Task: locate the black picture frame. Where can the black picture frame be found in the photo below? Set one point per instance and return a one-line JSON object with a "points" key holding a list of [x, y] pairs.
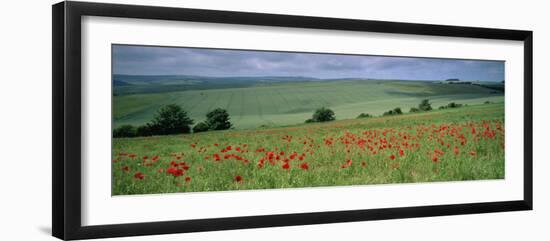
{"points": [[66, 76]]}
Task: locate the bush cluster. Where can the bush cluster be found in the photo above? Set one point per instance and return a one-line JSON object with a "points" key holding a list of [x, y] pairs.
{"points": [[217, 119], [395, 111], [172, 119], [450, 106], [364, 115], [322, 115]]}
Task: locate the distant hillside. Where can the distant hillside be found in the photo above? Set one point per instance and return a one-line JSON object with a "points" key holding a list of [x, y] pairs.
{"points": [[139, 84], [254, 103], [142, 84]]}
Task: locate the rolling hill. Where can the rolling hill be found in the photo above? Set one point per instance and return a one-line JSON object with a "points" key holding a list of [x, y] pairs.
{"points": [[277, 101]]}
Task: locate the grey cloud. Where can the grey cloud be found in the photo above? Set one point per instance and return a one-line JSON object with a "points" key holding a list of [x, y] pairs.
{"points": [[143, 60]]}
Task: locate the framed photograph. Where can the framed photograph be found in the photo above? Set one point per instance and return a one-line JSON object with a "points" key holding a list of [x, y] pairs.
{"points": [[170, 120]]}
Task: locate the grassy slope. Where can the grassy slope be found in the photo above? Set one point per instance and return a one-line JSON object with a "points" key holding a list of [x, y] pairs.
{"points": [[292, 103], [324, 160]]}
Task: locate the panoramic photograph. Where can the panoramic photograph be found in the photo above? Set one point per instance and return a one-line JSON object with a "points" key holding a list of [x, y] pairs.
{"points": [[203, 119]]}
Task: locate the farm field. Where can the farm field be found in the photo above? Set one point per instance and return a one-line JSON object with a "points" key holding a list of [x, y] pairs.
{"points": [[456, 144], [273, 104]]}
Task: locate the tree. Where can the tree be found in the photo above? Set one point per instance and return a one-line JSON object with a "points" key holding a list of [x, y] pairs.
{"points": [[323, 114], [200, 127], [364, 115], [125, 131], [425, 105], [397, 111], [414, 109], [170, 119], [218, 119], [454, 105]]}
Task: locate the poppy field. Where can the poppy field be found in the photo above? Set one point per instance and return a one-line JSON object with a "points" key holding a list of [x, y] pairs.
{"points": [[442, 145]]}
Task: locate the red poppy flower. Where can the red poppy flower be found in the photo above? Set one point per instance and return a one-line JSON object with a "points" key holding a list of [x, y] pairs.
{"points": [[187, 179], [392, 157], [238, 178], [171, 170], [174, 172], [126, 168], [401, 152], [435, 158], [139, 175], [286, 166], [304, 166]]}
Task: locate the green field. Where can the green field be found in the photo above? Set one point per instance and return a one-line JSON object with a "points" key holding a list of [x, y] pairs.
{"points": [[287, 103], [441, 145]]}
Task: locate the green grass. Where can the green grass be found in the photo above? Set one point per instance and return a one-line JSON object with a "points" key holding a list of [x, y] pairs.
{"points": [[327, 148], [289, 103]]}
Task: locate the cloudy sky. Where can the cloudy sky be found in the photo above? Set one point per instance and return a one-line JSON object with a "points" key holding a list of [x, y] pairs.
{"points": [[144, 60]]}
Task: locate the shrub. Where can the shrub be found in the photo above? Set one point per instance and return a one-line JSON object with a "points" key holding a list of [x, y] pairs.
{"points": [[450, 106], [309, 121], [390, 112], [364, 115], [323, 114], [125, 131], [414, 110], [395, 111], [425, 105], [454, 105], [170, 119], [218, 119], [200, 127]]}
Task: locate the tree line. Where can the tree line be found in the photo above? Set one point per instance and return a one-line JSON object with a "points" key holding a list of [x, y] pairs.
{"points": [[325, 114], [172, 119]]}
